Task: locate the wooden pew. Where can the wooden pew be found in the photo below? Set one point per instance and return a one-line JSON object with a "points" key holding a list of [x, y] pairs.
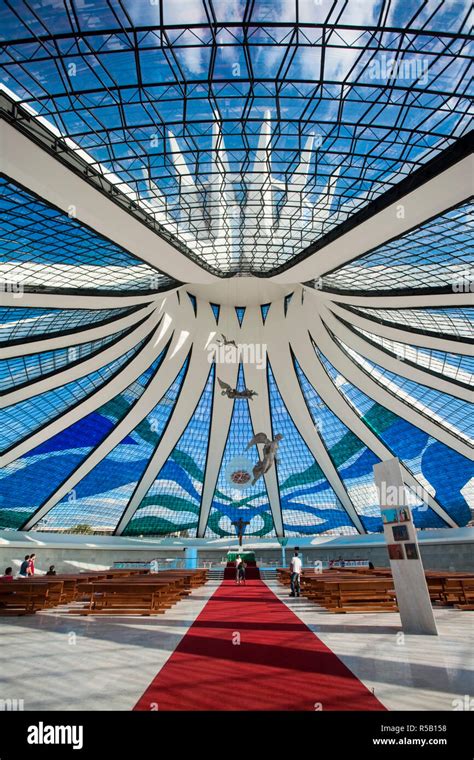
{"points": [[137, 596], [102, 592], [370, 595], [22, 597], [334, 588], [124, 598]]}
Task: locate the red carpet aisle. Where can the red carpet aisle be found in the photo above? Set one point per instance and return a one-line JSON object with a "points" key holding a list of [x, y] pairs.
{"points": [[278, 665]]}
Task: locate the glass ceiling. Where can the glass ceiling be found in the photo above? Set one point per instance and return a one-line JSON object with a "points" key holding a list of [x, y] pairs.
{"points": [[46, 250], [438, 254], [243, 133], [247, 129]]}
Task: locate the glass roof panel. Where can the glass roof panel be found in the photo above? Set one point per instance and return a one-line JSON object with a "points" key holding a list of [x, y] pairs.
{"points": [[452, 366], [20, 325], [438, 254], [247, 131], [449, 322], [44, 248]]}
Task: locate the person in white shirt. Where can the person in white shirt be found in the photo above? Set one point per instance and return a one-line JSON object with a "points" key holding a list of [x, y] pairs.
{"points": [[296, 567], [238, 563]]}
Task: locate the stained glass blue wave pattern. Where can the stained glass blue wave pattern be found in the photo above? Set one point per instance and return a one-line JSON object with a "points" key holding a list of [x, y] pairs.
{"points": [[352, 459], [172, 504], [308, 503], [102, 496], [428, 459], [230, 503], [22, 419], [28, 483]]}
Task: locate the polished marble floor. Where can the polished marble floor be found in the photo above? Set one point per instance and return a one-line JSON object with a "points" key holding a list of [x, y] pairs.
{"points": [[54, 661], [406, 672]]}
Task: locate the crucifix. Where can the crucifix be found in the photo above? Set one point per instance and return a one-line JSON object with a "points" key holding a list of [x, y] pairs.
{"points": [[240, 525]]}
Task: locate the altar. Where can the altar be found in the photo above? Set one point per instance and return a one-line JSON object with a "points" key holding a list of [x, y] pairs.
{"points": [[246, 555]]}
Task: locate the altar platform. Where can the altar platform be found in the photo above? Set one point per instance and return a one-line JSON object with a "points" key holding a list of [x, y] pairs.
{"points": [[248, 557]]}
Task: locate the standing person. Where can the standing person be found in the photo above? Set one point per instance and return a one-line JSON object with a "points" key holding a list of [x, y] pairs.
{"points": [[23, 571], [242, 572], [296, 567], [8, 576], [238, 562], [31, 564]]}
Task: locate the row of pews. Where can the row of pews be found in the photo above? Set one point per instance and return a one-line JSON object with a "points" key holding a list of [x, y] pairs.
{"points": [[110, 592], [345, 590]]}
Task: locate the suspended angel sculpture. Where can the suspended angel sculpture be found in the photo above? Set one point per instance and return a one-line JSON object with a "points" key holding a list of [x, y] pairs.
{"points": [[269, 454], [226, 342], [234, 393]]}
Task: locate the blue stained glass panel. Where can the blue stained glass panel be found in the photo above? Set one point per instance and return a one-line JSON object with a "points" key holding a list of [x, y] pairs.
{"points": [[352, 459], [24, 324], [216, 311], [173, 502], [22, 419], [22, 370], [240, 311], [229, 502], [309, 504], [452, 413], [102, 496], [28, 482], [428, 459]]}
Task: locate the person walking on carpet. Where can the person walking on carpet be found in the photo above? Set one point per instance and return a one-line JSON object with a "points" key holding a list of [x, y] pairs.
{"points": [[242, 573], [238, 562], [296, 566]]}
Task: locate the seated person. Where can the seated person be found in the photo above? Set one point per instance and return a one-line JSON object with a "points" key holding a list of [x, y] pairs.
{"points": [[51, 570], [8, 575]]}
